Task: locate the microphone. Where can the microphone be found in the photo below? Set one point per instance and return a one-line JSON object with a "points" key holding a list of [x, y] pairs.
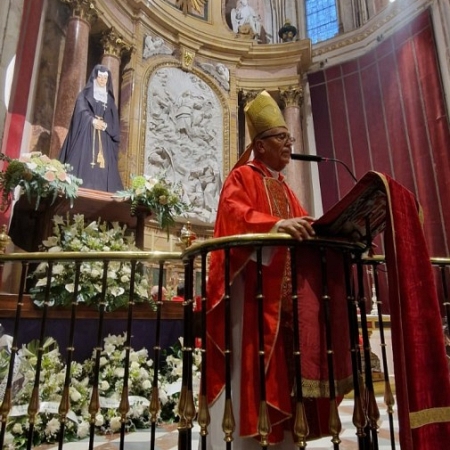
{"points": [[317, 158]]}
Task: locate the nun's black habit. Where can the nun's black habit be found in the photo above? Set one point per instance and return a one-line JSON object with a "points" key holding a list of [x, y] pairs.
{"points": [[81, 146]]}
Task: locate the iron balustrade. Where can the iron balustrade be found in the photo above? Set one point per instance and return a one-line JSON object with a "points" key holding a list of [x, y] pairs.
{"points": [[195, 261]]}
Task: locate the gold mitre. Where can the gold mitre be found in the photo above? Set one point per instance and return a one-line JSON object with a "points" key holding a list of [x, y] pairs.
{"points": [[262, 114]]}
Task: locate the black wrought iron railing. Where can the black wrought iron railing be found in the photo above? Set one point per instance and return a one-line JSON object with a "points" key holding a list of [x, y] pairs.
{"points": [[82, 334]]}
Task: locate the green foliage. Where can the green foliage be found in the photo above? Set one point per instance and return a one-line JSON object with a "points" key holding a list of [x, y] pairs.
{"points": [[164, 200], [76, 236], [107, 419], [38, 177]]}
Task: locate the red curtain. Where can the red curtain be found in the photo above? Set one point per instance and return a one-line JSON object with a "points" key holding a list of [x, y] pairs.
{"points": [[385, 111]]}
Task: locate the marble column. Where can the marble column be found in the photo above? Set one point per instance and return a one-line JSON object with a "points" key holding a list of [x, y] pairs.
{"points": [[113, 47], [298, 173], [128, 161], [73, 70]]}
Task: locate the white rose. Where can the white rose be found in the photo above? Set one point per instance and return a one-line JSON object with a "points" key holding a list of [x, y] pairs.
{"points": [[83, 429], [115, 424], [117, 290], [74, 394], [17, 428], [58, 269], [143, 352], [119, 372], [163, 397], [99, 420], [52, 427], [109, 348], [134, 365], [103, 361]]}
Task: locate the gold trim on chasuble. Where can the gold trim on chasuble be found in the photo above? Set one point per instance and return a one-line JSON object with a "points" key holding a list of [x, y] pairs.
{"points": [[279, 205], [428, 416]]}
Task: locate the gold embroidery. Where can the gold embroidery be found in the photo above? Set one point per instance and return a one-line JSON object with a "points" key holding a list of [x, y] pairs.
{"points": [[320, 388], [277, 197], [427, 416]]}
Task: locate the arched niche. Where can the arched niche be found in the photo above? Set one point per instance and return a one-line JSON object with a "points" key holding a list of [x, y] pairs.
{"points": [[184, 140]]}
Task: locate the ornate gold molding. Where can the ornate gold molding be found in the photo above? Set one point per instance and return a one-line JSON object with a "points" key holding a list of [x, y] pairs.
{"points": [[113, 43], [83, 9], [187, 58]]}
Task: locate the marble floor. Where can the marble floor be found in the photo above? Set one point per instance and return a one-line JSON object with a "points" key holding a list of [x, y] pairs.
{"points": [[167, 435]]}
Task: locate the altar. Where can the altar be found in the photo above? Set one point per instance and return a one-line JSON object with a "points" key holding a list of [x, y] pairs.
{"points": [[30, 226]]}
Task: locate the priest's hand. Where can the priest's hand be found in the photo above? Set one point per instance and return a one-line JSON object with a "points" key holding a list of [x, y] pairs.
{"points": [[298, 227]]}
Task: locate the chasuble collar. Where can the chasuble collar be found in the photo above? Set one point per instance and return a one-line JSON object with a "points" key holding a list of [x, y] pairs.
{"points": [[265, 170]]}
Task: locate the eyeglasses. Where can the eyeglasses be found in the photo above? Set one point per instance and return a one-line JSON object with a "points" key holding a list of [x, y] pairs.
{"points": [[280, 137]]}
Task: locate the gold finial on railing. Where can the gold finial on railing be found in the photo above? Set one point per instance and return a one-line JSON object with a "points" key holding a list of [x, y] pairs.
{"points": [[187, 236], [264, 426], [334, 423], [301, 428], [228, 422], [4, 239], [203, 419]]}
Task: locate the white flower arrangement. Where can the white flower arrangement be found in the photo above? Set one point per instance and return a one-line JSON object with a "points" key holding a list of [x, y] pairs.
{"points": [[171, 376], [162, 198], [107, 419], [74, 235], [38, 177], [51, 382]]}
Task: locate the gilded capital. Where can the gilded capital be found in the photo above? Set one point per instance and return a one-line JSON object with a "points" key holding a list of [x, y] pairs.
{"points": [[84, 9], [293, 96], [112, 43], [247, 96]]}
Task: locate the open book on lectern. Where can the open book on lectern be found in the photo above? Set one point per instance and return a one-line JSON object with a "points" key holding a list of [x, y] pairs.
{"points": [[360, 215]]}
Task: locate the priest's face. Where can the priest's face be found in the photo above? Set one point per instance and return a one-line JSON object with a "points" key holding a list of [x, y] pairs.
{"points": [[274, 148]]}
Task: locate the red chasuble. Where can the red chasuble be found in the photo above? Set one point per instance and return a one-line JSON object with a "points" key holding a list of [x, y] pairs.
{"points": [[252, 201]]}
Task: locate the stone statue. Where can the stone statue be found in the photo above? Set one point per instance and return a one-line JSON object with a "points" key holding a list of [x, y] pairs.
{"points": [[244, 19]]}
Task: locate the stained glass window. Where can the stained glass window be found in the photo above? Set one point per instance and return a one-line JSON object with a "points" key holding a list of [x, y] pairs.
{"points": [[321, 19]]}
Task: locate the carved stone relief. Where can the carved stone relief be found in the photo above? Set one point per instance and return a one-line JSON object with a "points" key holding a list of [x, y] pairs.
{"points": [[184, 138], [218, 71], [155, 45]]}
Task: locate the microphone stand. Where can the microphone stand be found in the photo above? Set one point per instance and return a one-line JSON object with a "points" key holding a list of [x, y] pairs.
{"points": [[343, 164], [317, 158]]}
